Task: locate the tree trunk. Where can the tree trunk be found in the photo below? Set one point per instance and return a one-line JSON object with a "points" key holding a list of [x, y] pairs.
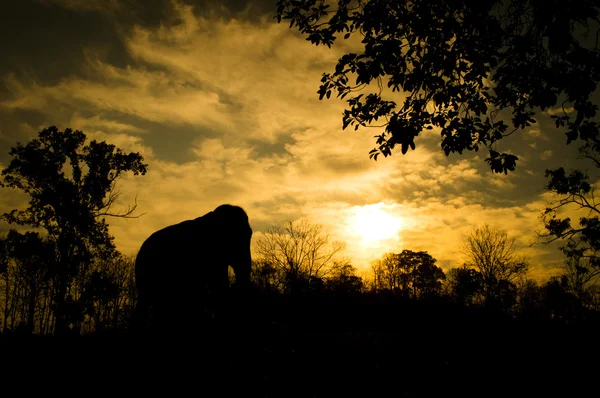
{"points": [[60, 324], [43, 309], [31, 310], [6, 301]]}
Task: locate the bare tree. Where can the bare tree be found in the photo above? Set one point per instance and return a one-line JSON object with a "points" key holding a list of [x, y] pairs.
{"points": [[300, 250], [386, 272], [491, 252], [582, 280]]}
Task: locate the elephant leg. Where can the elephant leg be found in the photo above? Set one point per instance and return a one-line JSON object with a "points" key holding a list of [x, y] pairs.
{"points": [[139, 317], [217, 289]]}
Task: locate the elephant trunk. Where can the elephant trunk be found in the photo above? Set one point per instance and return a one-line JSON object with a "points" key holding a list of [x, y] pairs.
{"points": [[242, 271]]}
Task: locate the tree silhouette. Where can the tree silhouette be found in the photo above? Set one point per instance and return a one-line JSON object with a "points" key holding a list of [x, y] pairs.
{"points": [[28, 262], [342, 279], [464, 285], [581, 279], [465, 66], [531, 300], [36, 257], [559, 303], [301, 252], [414, 274], [71, 188], [266, 277], [489, 251], [582, 241], [428, 277], [99, 292], [386, 272]]}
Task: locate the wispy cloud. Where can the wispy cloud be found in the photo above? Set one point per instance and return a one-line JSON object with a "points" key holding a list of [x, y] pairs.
{"points": [[85, 6], [547, 154], [102, 123], [558, 111], [242, 97]]}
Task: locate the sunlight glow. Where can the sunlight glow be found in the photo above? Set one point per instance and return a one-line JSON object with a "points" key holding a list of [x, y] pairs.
{"points": [[373, 223]]}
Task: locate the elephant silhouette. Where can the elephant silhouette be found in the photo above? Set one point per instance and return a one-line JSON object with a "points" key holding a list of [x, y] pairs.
{"points": [[182, 270]]}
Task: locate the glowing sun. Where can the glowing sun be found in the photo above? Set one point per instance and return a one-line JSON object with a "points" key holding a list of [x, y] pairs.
{"points": [[373, 223]]}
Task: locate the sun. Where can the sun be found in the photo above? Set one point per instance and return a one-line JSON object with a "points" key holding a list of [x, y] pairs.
{"points": [[373, 223]]}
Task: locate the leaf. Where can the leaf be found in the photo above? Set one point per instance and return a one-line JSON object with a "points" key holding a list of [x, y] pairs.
{"points": [[482, 63]]}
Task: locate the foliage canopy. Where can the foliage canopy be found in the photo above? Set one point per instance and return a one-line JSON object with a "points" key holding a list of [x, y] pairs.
{"points": [[414, 274], [71, 188], [466, 66]]}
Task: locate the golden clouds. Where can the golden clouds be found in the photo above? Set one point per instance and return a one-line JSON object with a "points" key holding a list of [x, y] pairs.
{"points": [[240, 99], [84, 123], [547, 154], [85, 5]]}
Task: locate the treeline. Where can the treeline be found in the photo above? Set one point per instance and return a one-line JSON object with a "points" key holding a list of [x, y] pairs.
{"points": [[494, 280], [412, 277], [52, 279], [101, 295], [70, 279]]}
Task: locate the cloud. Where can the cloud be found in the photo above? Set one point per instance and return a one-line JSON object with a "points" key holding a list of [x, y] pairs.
{"points": [[557, 111], [123, 141], [240, 99], [85, 5], [98, 122], [439, 227], [145, 94], [547, 154], [501, 182], [265, 73]]}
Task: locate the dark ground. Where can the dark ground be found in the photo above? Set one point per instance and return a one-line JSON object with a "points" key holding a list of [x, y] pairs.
{"points": [[308, 364], [310, 353]]}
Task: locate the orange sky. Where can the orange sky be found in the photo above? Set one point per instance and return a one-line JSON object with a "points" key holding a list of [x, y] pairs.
{"points": [[222, 103]]}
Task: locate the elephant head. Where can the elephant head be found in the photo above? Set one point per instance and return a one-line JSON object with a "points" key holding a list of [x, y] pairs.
{"points": [[180, 268], [233, 235]]}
